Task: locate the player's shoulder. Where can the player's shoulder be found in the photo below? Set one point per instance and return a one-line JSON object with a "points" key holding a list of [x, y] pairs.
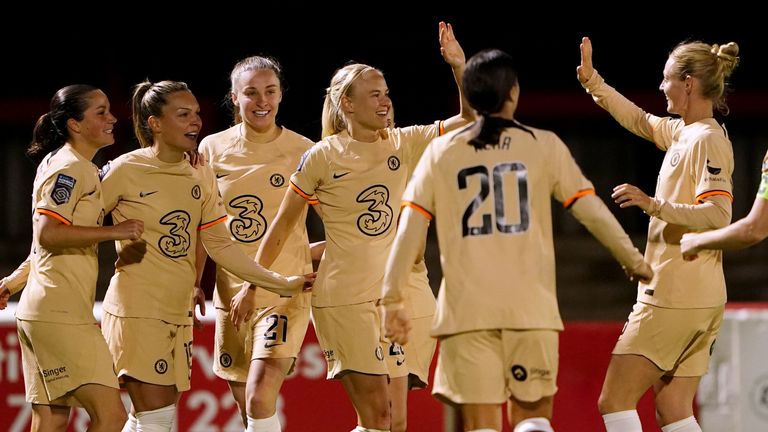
{"points": [[406, 131], [711, 131], [456, 136], [296, 138], [134, 156], [63, 160], [321, 154], [63, 155], [221, 140], [292, 143], [331, 144], [538, 134], [126, 162]]}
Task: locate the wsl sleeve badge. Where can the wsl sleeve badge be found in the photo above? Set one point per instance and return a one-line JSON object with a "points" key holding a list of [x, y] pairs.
{"points": [[62, 189]]}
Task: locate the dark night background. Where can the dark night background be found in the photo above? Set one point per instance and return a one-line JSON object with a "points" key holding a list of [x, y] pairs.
{"points": [[629, 52]]}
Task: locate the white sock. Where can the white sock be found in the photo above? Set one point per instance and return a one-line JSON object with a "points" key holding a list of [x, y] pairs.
{"points": [[159, 420], [685, 425], [130, 424], [483, 430], [534, 424], [623, 421], [269, 424], [362, 429]]}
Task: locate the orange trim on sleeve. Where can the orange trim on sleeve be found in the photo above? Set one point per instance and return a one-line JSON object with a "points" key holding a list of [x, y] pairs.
{"points": [[313, 202], [211, 223], [700, 198], [441, 128], [54, 215], [301, 192], [418, 208], [572, 200]]}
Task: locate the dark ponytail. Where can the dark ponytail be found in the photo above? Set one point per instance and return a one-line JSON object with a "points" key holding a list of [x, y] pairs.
{"points": [[488, 79], [51, 131]]}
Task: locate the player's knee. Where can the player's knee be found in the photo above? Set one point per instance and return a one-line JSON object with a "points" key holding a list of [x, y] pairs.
{"points": [[261, 404], [45, 419], [378, 416]]}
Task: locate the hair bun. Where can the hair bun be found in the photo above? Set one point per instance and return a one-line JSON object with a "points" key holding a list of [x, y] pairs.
{"points": [[729, 51]]}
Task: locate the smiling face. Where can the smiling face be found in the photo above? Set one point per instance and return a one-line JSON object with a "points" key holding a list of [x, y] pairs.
{"points": [[179, 125], [367, 102], [96, 127], [257, 96], [674, 88]]}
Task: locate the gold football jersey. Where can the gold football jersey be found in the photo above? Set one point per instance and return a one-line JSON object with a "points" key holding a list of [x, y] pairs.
{"points": [[493, 213], [174, 200], [698, 165], [62, 284], [358, 186], [252, 179]]}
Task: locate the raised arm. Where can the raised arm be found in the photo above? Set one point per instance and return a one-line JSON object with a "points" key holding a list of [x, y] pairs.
{"points": [[629, 115], [453, 54]]}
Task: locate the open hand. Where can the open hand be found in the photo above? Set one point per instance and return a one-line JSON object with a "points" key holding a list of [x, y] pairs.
{"points": [[452, 52], [585, 70], [131, 253], [627, 195], [643, 274], [397, 323]]}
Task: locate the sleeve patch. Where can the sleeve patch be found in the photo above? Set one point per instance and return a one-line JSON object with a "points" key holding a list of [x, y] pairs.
{"points": [[62, 189]]}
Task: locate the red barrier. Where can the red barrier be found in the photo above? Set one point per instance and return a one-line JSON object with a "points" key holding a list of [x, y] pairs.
{"points": [[310, 403], [585, 350]]}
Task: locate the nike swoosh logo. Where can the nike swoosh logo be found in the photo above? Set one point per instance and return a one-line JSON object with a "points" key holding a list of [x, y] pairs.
{"points": [[146, 194], [270, 345], [338, 176], [399, 362], [218, 176]]}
